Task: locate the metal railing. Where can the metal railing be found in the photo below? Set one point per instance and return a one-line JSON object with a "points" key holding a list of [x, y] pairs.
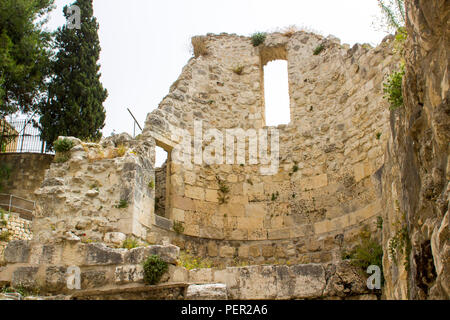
{"points": [[23, 207], [21, 136]]}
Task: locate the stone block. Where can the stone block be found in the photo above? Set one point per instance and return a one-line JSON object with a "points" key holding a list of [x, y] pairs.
{"points": [[115, 237], [227, 252], [310, 280], [194, 192], [100, 254], [168, 253], [129, 274], [25, 277], [17, 251], [201, 275], [91, 279], [207, 292]]}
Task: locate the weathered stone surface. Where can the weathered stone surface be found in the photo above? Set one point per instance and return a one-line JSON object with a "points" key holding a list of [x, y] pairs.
{"points": [[91, 279], [415, 178], [345, 280], [100, 254], [129, 274], [17, 251], [206, 292], [115, 237], [55, 279], [168, 253], [309, 280], [24, 277]]}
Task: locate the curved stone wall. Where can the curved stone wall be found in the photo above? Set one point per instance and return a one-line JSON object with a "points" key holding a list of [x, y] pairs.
{"points": [[328, 178]]}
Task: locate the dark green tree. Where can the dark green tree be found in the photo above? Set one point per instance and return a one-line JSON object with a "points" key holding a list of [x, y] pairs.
{"points": [[76, 95], [24, 54]]}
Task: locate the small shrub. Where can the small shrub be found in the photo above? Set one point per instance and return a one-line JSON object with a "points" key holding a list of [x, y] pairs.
{"points": [[318, 49], [154, 268], [63, 145], [178, 227], [121, 150], [378, 135], [122, 204], [238, 69], [130, 243], [368, 252], [5, 236], [190, 262], [199, 47], [258, 38], [224, 189], [61, 157], [379, 223], [393, 88], [275, 196], [151, 184], [290, 31], [295, 168]]}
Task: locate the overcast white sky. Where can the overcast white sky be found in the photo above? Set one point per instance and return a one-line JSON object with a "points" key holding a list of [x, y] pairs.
{"points": [[145, 43]]}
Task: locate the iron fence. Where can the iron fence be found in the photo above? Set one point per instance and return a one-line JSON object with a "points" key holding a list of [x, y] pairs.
{"points": [[21, 136], [23, 207]]}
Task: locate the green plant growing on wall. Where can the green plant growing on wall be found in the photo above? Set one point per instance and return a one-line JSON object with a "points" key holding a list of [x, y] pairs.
{"points": [[379, 223], [224, 190], [154, 268], [62, 148], [295, 168], [318, 49], [275, 196], [400, 243], [378, 135], [151, 184], [238, 69], [123, 203], [393, 88], [63, 145], [258, 38], [5, 236], [130, 243], [368, 252], [190, 262], [178, 227]]}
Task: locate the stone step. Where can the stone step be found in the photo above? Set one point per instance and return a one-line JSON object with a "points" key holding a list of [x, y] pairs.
{"points": [[172, 291]]}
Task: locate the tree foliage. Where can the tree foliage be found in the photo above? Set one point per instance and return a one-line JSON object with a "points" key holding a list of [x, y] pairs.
{"points": [[394, 13], [24, 54], [76, 95]]}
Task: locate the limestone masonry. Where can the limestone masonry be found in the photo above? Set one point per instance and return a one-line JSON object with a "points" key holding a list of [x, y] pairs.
{"points": [[344, 165]]}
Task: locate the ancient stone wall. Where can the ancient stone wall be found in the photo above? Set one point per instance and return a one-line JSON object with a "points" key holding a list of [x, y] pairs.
{"points": [[327, 186], [13, 227], [102, 188], [27, 173], [417, 168]]}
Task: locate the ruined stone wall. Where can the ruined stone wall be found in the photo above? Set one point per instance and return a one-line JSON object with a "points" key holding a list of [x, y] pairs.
{"points": [[27, 173], [416, 171], [327, 187], [102, 188], [13, 227]]}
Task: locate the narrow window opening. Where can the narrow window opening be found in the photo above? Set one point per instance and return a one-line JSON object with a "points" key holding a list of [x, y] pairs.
{"points": [[276, 93], [161, 185]]}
